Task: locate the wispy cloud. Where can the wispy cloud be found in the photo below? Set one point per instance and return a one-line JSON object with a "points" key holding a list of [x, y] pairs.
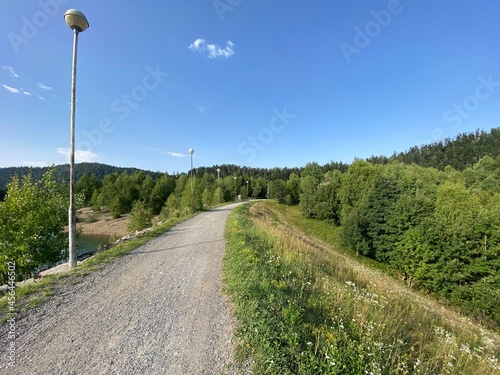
{"points": [[11, 71], [212, 50], [41, 97], [81, 156], [176, 154], [202, 109], [44, 87], [17, 91], [11, 89]]}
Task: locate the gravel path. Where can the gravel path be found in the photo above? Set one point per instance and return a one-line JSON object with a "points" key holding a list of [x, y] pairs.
{"points": [[158, 310]]}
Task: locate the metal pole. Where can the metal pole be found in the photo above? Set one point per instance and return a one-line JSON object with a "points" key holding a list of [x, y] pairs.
{"points": [[72, 212], [192, 191], [218, 185]]}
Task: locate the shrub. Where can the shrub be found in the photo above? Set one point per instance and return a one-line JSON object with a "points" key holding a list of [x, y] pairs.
{"points": [[32, 220], [141, 216]]}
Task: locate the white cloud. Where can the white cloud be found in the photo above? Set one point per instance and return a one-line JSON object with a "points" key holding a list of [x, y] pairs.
{"points": [[197, 45], [16, 91], [175, 154], [213, 50], [11, 71], [44, 87], [81, 156], [11, 89]]}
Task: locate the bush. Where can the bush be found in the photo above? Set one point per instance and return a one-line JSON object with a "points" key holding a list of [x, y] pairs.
{"points": [[141, 216], [32, 220]]}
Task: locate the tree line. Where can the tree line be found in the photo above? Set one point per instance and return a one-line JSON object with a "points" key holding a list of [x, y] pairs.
{"points": [[438, 226], [34, 212], [459, 153], [439, 229]]}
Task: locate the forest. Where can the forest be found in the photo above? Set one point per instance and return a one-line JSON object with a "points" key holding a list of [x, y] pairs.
{"points": [[431, 214]]}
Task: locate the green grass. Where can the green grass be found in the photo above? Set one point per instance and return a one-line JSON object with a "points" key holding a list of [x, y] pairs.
{"points": [[31, 295], [327, 233], [303, 311]]}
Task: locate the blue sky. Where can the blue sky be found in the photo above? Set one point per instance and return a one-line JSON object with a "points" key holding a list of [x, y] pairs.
{"points": [[256, 83]]}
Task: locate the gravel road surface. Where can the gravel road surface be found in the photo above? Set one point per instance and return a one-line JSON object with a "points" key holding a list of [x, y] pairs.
{"points": [[158, 310]]}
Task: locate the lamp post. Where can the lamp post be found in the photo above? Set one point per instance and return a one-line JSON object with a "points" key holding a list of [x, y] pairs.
{"points": [[77, 22], [191, 151], [235, 194], [218, 184], [247, 189]]}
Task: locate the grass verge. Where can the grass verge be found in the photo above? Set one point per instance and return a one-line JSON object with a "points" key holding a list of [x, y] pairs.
{"points": [[31, 295], [303, 311]]}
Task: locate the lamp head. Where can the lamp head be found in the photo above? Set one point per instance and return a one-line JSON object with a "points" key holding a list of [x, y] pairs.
{"points": [[191, 151], [76, 20]]}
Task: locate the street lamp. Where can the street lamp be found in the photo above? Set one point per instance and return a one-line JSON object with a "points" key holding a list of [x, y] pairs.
{"points": [[247, 189], [218, 184], [235, 194], [191, 151], [77, 22]]}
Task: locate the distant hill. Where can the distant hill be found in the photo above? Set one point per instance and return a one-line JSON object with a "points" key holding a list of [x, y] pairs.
{"points": [[461, 152], [102, 170], [62, 172]]}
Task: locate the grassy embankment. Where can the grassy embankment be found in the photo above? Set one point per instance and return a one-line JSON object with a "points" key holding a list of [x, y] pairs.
{"points": [[30, 295], [304, 310]]}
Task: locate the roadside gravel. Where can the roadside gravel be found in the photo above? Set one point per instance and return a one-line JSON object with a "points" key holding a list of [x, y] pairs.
{"points": [[158, 310]]}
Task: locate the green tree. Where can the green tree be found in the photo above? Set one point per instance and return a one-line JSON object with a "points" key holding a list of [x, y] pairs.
{"points": [[327, 201], [310, 178], [453, 237], [293, 188], [172, 207], [259, 187], [192, 199], [146, 189], [207, 197], [141, 216], [108, 191], [356, 182], [308, 187], [218, 197], [96, 206], [87, 185], [165, 185], [32, 220], [277, 190]]}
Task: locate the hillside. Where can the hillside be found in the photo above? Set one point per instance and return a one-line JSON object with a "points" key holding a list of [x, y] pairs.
{"points": [[62, 171], [461, 152]]}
